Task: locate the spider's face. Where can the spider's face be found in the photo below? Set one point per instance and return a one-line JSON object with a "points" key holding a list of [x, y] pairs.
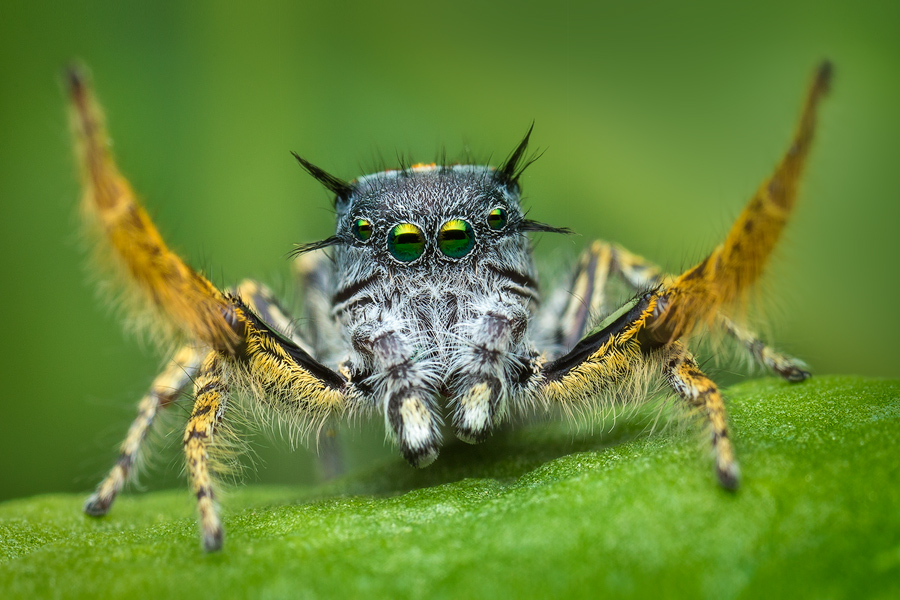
{"points": [[426, 219]]}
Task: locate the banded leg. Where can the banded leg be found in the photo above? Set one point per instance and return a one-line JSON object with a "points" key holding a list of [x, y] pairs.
{"points": [[210, 391], [602, 260], [166, 388], [571, 310], [585, 298], [640, 273], [315, 274], [613, 362], [699, 391], [483, 369], [790, 368], [607, 362]]}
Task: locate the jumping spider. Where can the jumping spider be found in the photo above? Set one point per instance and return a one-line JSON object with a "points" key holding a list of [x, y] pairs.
{"points": [[426, 303]]}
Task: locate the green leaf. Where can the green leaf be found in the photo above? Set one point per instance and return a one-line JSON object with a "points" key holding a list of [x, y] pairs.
{"points": [[537, 512]]}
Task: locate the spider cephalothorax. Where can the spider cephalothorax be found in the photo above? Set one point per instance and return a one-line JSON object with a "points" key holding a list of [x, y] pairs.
{"points": [[430, 263], [423, 306]]}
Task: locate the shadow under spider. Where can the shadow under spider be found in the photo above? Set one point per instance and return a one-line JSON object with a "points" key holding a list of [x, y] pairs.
{"points": [[506, 456]]}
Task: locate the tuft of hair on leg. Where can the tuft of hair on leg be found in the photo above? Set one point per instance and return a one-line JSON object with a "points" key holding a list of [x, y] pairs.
{"points": [[416, 427]]}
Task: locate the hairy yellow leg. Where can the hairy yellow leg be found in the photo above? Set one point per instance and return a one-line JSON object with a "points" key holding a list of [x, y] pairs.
{"points": [[265, 305], [209, 407], [727, 274], [701, 393], [640, 273], [167, 386], [790, 368], [187, 302], [601, 260]]}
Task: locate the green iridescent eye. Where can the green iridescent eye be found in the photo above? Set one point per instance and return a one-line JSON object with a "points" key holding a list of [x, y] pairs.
{"points": [[497, 219], [362, 230], [456, 238], [406, 242]]}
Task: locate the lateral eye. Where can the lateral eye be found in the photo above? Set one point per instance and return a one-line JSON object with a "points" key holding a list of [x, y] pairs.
{"points": [[456, 238], [362, 230], [497, 219], [406, 242]]}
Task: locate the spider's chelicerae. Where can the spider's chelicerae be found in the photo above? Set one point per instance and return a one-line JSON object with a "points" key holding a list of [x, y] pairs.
{"points": [[424, 306]]}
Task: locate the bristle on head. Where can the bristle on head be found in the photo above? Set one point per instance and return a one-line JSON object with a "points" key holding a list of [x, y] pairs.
{"points": [[515, 165], [339, 187], [537, 226], [309, 247]]}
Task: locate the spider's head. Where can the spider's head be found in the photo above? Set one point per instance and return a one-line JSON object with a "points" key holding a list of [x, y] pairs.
{"points": [[430, 216], [427, 215]]}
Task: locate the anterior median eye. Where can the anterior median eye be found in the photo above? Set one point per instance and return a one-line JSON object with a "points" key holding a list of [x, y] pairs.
{"points": [[362, 229], [406, 242], [456, 238], [497, 219]]}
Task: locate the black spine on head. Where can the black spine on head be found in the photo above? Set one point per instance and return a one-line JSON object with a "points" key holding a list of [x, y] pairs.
{"points": [[402, 165], [342, 190], [537, 226], [509, 173], [309, 247]]}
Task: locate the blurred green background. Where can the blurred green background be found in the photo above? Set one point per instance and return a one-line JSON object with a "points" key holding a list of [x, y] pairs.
{"points": [[658, 121]]}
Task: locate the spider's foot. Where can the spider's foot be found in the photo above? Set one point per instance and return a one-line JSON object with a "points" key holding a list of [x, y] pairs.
{"points": [[100, 501], [793, 371], [470, 436], [214, 539], [421, 458], [787, 367], [97, 505], [729, 474], [416, 427], [796, 374], [477, 410], [212, 534]]}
